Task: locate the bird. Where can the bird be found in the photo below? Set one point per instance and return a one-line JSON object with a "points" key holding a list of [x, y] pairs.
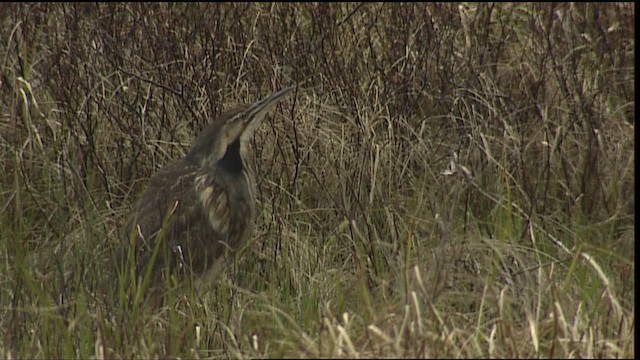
{"points": [[201, 208]]}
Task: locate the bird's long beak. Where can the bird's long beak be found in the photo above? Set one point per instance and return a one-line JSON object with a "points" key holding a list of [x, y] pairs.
{"points": [[253, 115]]}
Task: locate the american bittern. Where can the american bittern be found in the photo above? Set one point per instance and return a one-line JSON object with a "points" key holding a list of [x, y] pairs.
{"points": [[201, 207]]}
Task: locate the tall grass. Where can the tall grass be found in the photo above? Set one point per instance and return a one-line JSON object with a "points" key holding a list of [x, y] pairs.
{"points": [[448, 180]]}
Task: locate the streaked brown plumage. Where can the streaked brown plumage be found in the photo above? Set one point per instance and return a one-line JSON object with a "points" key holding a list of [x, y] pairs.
{"points": [[207, 198]]}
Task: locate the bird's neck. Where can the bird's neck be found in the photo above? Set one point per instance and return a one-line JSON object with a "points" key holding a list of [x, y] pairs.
{"points": [[232, 159]]}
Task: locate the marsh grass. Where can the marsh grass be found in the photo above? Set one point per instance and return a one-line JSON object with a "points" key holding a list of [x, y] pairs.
{"points": [[448, 180]]}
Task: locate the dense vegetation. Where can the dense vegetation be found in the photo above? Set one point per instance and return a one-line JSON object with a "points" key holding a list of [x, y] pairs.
{"points": [[447, 180]]}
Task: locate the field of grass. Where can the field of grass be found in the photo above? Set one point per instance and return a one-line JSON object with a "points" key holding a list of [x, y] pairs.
{"points": [[446, 180]]}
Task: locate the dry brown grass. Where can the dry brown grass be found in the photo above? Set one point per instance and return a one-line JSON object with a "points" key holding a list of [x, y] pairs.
{"points": [[448, 180]]}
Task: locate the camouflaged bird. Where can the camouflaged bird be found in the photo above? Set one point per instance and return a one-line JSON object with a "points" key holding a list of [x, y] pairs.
{"points": [[201, 207]]}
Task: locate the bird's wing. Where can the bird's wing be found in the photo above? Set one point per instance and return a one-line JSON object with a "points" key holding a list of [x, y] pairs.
{"points": [[162, 199], [166, 189]]}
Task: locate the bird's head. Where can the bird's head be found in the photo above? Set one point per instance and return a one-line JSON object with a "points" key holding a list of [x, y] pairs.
{"points": [[222, 141]]}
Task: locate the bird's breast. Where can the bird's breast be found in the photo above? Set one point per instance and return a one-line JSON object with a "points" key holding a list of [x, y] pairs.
{"points": [[228, 204]]}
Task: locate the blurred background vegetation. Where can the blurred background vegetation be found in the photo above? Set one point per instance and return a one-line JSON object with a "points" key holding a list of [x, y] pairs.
{"points": [[448, 180]]}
